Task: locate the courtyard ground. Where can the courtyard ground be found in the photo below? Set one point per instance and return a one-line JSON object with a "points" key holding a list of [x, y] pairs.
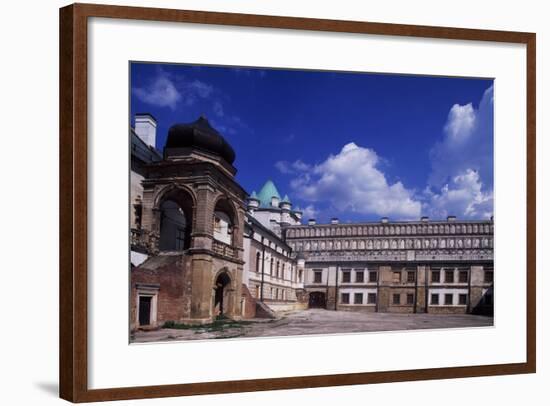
{"points": [[312, 322]]}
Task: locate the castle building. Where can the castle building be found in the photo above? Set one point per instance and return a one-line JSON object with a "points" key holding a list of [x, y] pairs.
{"points": [[408, 267], [201, 247]]}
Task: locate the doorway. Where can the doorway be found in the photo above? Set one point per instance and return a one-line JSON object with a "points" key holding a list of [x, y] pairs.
{"points": [[221, 302], [317, 300], [145, 310]]}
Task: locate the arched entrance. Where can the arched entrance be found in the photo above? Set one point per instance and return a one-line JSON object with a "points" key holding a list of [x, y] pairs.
{"points": [[317, 300], [176, 220], [221, 294]]}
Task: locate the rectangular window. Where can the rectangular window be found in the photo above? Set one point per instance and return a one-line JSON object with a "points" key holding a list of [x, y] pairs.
{"points": [[346, 276], [435, 299], [396, 298], [317, 276], [463, 276], [180, 239], [358, 298], [396, 277], [448, 299], [359, 276], [411, 276], [373, 276], [488, 277], [371, 298], [345, 298], [462, 299], [449, 276], [410, 298], [436, 276]]}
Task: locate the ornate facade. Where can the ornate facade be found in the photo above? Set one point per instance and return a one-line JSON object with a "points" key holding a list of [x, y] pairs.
{"points": [[423, 266]]}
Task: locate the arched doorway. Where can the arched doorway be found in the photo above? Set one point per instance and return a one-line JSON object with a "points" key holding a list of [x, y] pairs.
{"points": [[221, 294], [317, 300], [176, 221]]}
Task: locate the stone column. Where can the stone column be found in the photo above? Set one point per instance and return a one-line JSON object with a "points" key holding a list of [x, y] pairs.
{"points": [[204, 212]]}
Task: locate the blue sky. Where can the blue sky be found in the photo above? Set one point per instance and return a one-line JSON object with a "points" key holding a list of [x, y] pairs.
{"points": [[352, 145]]}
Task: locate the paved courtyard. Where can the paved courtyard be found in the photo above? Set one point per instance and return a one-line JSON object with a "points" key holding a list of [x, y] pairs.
{"points": [[313, 322]]}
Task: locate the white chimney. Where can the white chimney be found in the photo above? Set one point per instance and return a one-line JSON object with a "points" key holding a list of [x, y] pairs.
{"points": [[334, 220], [384, 220], [311, 222], [146, 128]]}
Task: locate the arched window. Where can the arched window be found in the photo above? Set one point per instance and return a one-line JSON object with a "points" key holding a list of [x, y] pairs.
{"points": [[224, 221], [258, 261], [278, 265], [175, 221], [271, 266]]}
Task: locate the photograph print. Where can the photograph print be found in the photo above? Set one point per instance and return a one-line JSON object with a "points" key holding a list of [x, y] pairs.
{"points": [[271, 202]]}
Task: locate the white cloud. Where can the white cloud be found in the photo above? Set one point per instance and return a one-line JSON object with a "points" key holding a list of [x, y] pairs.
{"points": [[461, 180], [297, 166], [463, 197], [461, 122], [168, 90], [161, 92], [467, 143], [309, 212], [351, 182]]}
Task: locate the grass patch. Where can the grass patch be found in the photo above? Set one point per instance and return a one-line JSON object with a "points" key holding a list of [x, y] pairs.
{"points": [[221, 323]]}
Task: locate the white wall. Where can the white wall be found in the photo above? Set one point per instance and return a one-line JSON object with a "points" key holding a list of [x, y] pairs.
{"points": [[29, 82]]}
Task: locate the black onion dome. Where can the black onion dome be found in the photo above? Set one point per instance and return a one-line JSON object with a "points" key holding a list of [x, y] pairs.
{"points": [[201, 135]]}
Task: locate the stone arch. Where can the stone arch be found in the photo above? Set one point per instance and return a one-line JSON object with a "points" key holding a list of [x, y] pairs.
{"points": [[223, 291], [225, 220], [174, 208]]}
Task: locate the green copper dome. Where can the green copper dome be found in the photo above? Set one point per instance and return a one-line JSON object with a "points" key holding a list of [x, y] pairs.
{"points": [[285, 199], [253, 195], [267, 192]]}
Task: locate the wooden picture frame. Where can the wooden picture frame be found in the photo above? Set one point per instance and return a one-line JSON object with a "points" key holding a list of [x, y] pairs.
{"points": [[74, 201]]}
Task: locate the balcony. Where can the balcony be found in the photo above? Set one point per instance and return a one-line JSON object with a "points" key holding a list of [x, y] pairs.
{"points": [[223, 249]]}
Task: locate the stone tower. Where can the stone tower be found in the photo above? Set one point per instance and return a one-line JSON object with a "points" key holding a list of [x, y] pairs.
{"points": [[192, 225]]}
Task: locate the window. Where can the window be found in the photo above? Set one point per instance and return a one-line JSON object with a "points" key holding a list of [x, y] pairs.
{"points": [[345, 298], [372, 276], [317, 276], [276, 293], [411, 277], [396, 298], [463, 276], [371, 298], [436, 276], [488, 277], [359, 276], [258, 263], [449, 276], [180, 239], [462, 299], [258, 291], [396, 277], [358, 298], [271, 266], [435, 299], [448, 298], [278, 266], [410, 298], [346, 276]]}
